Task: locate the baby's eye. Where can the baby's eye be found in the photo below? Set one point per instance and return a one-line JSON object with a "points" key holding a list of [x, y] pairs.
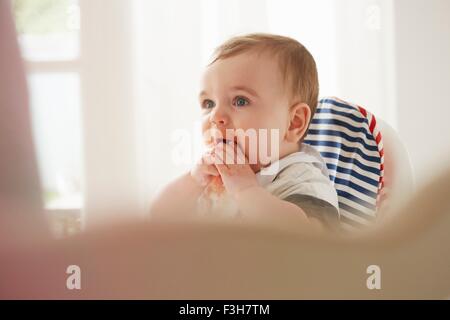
{"points": [[240, 102], [208, 104]]}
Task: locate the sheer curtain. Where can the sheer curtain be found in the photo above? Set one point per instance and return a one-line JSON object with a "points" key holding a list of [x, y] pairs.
{"points": [[157, 51]]}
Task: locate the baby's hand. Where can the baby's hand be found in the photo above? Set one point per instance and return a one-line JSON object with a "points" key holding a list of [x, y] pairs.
{"points": [[234, 169], [205, 170]]}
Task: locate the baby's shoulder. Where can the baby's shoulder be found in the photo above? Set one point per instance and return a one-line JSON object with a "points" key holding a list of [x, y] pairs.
{"points": [[303, 178], [302, 171]]}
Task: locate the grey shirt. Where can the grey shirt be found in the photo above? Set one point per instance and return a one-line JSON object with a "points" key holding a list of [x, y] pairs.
{"points": [[302, 178]]}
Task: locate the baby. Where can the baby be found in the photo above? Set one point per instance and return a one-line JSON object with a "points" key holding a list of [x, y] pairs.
{"points": [[259, 93]]}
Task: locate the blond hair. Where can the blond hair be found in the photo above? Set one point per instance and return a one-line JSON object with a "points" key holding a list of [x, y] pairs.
{"points": [[296, 64]]}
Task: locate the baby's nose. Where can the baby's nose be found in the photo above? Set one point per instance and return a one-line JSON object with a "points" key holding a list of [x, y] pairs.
{"points": [[219, 117], [221, 122]]}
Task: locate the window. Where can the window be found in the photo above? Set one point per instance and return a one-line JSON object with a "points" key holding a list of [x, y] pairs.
{"points": [[48, 34]]}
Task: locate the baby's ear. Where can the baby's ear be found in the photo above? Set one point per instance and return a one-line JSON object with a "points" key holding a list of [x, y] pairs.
{"points": [[299, 115]]}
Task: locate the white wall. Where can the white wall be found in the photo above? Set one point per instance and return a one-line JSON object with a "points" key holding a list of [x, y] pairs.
{"points": [[313, 23], [423, 81], [365, 56]]}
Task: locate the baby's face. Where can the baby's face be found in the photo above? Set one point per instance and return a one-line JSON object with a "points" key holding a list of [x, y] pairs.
{"points": [[244, 92]]}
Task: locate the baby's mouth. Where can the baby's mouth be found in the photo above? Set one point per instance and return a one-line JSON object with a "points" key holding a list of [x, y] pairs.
{"points": [[225, 141], [215, 141]]}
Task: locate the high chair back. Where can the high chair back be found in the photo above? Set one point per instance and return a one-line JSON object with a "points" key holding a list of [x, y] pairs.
{"points": [[399, 182], [348, 138]]}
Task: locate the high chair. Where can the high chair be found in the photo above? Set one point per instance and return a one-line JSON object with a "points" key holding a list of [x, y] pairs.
{"points": [[399, 181], [367, 161]]}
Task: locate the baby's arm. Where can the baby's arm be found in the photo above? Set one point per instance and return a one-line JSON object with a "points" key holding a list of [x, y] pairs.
{"points": [[259, 206], [256, 203], [177, 200]]}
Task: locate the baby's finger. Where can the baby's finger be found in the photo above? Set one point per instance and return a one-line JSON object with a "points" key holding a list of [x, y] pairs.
{"points": [[241, 158], [212, 170], [235, 153], [208, 159], [223, 169], [219, 155], [220, 163], [230, 154]]}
